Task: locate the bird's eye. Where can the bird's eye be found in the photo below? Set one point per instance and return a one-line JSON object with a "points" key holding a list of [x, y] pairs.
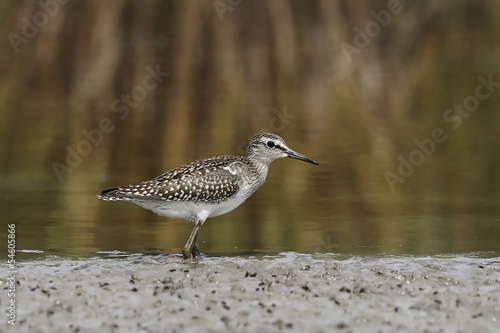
{"points": [[270, 144]]}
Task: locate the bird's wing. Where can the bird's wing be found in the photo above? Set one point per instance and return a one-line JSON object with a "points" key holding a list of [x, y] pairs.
{"points": [[208, 180]]}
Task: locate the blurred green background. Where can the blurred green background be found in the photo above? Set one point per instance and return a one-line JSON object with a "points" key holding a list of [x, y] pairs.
{"points": [[95, 94]]}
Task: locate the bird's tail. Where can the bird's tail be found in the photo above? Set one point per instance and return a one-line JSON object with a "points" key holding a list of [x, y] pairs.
{"points": [[109, 194]]}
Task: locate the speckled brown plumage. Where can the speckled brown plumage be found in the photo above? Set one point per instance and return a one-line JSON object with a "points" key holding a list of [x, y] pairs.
{"points": [[206, 180]]}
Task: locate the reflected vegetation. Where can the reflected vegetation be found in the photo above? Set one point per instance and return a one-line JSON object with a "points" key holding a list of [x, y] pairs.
{"points": [[106, 93]]}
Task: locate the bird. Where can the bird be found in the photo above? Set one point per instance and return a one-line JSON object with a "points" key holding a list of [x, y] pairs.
{"points": [[207, 187]]}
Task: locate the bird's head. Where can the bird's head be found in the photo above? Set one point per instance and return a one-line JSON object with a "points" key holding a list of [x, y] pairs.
{"points": [[268, 147]]}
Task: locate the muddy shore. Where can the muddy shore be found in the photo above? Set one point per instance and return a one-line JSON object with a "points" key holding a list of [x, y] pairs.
{"points": [[290, 292]]}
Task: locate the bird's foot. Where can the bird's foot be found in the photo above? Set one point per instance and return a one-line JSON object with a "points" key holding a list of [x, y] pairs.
{"points": [[186, 253], [195, 252]]}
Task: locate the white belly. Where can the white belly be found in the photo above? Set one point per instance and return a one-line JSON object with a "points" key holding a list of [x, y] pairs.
{"points": [[189, 210]]}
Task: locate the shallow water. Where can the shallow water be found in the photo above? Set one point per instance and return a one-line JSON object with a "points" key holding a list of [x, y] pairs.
{"points": [[71, 222]]}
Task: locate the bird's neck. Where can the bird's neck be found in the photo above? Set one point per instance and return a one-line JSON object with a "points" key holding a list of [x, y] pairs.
{"points": [[258, 170]]}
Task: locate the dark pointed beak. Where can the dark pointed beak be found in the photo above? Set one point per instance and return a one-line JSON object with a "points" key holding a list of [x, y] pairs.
{"points": [[294, 154]]}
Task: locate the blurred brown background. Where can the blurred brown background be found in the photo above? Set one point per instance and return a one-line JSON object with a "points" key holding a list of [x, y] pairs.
{"points": [[351, 84]]}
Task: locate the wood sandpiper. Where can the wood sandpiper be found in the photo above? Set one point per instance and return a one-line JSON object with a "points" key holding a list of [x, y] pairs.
{"points": [[208, 187]]}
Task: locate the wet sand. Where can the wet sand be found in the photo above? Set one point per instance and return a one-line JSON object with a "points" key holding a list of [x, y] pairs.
{"points": [[290, 292]]}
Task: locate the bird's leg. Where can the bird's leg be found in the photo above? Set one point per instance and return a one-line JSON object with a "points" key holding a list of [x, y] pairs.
{"points": [[191, 243], [195, 252]]}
